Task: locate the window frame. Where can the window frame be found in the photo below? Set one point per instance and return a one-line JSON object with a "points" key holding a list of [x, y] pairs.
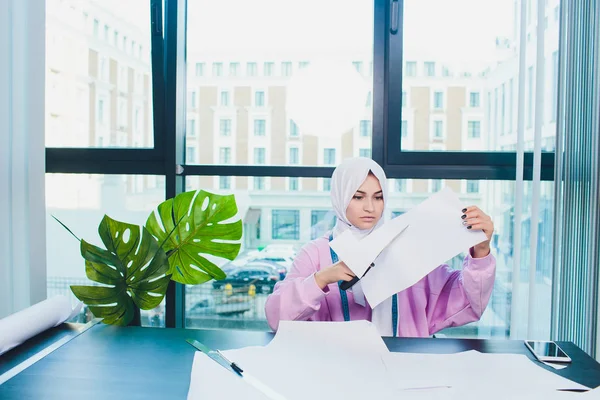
{"points": [[169, 92]]}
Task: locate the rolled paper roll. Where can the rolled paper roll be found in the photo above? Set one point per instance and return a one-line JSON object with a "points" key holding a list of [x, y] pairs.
{"points": [[25, 324]]}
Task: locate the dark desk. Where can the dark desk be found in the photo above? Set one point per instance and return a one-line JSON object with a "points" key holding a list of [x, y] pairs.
{"points": [[107, 362]]}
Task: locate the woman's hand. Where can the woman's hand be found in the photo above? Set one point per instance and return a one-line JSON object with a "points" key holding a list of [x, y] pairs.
{"points": [[332, 274], [474, 218]]}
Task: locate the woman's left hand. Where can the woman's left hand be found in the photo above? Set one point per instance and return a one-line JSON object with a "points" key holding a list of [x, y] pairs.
{"points": [[474, 218]]}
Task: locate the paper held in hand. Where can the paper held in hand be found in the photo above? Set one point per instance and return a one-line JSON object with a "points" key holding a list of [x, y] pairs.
{"points": [[408, 247]]}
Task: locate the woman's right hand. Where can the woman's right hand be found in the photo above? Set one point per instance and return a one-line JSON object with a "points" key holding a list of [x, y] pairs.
{"points": [[332, 274]]}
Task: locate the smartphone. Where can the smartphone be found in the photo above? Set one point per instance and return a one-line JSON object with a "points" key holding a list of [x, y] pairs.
{"points": [[547, 351]]}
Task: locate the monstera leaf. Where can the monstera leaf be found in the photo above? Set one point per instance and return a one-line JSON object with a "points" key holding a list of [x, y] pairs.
{"points": [[132, 270], [197, 218]]}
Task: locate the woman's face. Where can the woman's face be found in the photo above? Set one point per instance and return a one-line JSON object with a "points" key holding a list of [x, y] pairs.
{"points": [[366, 207]]}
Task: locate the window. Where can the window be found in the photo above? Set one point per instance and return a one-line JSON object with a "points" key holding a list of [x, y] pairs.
{"points": [[259, 183], [260, 127], [429, 68], [404, 99], [259, 98], [438, 129], [190, 155], [293, 129], [411, 69], [435, 185], [530, 97], [251, 69], [474, 129], [329, 156], [286, 68], [321, 222], [400, 185], [472, 186], [96, 28], [554, 103], [194, 105], [445, 72], [358, 65], [234, 68], [293, 183], [365, 128], [286, 224], [224, 101], [364, 153], [404, 130], [224, 182], [303, 64], [438, 100], [510, 105], [217, 69], [191, 128], [225, 155], [225, 127], [369, 102], [101, 112], [199, 69], [268, 68], [116, 38], [294, 156], [474, 99], [259, 155], [503, 109], [326, 184]]}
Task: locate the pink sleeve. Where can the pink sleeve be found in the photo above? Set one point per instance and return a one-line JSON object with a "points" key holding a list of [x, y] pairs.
{"points": [[456, 298], [298, 296]]}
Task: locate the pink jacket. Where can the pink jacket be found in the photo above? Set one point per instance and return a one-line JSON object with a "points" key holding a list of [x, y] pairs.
{"points": [[442, 299]]}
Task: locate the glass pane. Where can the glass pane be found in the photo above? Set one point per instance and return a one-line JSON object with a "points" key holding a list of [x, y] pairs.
{"points": [[280, 220], [460, 89], [98, 74], [243, 80], [80, 202]]}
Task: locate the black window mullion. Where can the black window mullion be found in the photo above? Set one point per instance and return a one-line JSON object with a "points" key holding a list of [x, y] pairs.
{"points": [[387, 120], [392, 27], [174, 132]]}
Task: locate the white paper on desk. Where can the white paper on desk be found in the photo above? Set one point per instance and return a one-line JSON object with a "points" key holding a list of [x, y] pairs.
{"points": [[359, 254], [472, 371], [25, 324], [435, 235], [305, 360]]}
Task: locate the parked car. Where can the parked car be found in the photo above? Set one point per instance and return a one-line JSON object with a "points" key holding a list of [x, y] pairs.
{"points": [[223, 306], [263, 275]]}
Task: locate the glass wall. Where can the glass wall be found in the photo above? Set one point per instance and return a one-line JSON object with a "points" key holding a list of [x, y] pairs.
{"points": [[460, 88], [277, 223], [98, 74], [80, 202]]}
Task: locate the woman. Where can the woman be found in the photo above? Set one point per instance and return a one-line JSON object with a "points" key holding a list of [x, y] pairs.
{"points": [[442, 299]]}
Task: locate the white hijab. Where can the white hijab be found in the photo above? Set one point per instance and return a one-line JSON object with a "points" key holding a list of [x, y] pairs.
{"points": [[345, 181]]}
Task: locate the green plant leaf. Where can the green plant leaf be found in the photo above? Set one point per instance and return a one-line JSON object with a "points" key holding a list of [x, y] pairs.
{"points": [[197, 218], [133, 270]]}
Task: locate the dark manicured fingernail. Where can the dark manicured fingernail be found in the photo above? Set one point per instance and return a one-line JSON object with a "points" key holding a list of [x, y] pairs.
{"points": [[464, 210], [464, 216], [469, 227]]}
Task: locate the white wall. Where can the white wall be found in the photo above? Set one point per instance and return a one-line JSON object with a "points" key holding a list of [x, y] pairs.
{"points": [[22, 161]]}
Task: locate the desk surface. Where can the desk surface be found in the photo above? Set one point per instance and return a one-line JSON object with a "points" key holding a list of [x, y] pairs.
{"points": [[108, 362]]}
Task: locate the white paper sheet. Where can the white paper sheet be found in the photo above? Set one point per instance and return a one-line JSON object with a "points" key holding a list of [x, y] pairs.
{"points": [[474, 371], [305, 360], [348, 360], [359, 254], [435, 235], [25, 324]]}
